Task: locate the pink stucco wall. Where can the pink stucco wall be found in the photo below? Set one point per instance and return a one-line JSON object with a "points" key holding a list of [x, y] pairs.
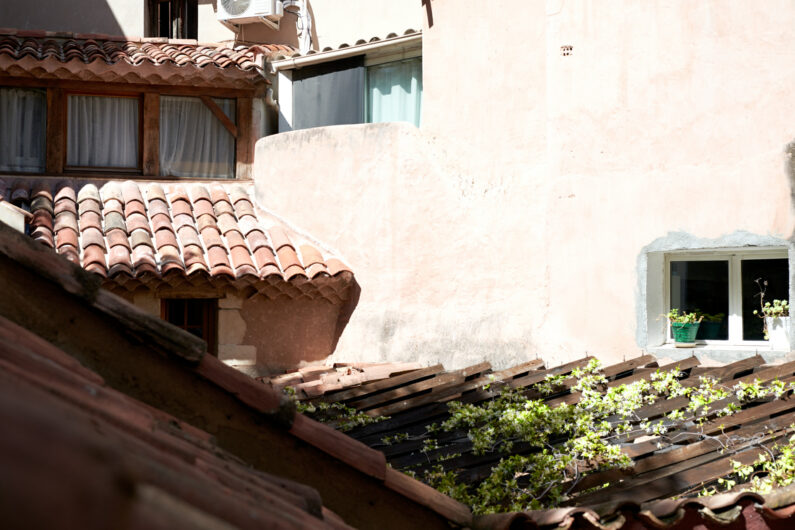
{"points": [[513, 223]]}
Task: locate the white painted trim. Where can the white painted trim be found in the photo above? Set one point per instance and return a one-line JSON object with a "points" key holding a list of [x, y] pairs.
{"points": [[734, 257], [407, 41], [285, 98]]}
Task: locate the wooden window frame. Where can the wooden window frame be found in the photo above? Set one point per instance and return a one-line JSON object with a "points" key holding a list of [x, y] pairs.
{"points": [[209, 308], [138, 169], [149, 125]]}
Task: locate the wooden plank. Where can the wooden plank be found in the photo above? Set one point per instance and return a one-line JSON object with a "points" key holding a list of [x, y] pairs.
{"points": [[385, 384], [56, 127], [119, 88], [244, 147], [220, 114], [150, 137], [533, 378], [446, 379]]}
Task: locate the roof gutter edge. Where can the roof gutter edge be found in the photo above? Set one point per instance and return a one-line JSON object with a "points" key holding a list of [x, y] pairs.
{"points": [[320, 57]]}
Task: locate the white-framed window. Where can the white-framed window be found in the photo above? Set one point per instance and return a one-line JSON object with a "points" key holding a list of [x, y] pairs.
{"points": [[365, 83], [722, 284]]}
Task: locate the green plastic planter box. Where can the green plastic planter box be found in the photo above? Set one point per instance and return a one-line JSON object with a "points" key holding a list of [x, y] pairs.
{"points": [[685, 334]]}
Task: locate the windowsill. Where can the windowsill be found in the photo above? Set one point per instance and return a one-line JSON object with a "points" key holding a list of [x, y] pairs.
{"points": [[724, 353]]}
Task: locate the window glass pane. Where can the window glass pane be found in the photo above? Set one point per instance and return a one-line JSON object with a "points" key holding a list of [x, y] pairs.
{"points": [[703, 286], [102, 132], [23, 122], [776, 273], [394, 92], [328, 94], [193, 141]]}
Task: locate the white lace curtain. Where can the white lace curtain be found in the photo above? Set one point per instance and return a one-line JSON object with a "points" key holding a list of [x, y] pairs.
{"points": [[102, 132], [394, 92], [193, 142], [23, 123]]}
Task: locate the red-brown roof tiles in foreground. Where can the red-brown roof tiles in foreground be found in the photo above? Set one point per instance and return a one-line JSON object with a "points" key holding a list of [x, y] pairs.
{"points": [[145, 230]]}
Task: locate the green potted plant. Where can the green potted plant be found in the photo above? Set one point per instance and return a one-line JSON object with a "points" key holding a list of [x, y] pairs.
{"points": [[776, 319], [710, 325], [685, 327]]}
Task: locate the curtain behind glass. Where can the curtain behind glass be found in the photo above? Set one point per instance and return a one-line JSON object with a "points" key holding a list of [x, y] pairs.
{"points": [[102, 132], [23, 123], [394, 92], [193, 142]]}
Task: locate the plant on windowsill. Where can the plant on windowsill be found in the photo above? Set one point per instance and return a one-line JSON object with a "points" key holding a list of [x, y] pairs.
{"points": [[685, 326], [776, 319], [710, 325]]}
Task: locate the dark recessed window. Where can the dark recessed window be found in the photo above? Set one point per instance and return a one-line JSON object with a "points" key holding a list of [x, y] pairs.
{"points": [[722, 287], [173, 19], [196, 316]]}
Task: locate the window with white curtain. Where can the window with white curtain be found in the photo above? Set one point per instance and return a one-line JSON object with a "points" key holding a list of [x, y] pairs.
{"points": [[193, 141], [394, 91], [102, 132], [23, 124]]}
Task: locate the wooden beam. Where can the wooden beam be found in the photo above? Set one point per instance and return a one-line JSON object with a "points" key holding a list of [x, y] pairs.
{"points": [[219, 113], [103, 87], [244, 155], [150, 138], [56, 125]]}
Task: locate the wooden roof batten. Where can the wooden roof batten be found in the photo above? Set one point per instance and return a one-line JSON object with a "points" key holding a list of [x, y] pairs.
{"points": [[680, 463]]}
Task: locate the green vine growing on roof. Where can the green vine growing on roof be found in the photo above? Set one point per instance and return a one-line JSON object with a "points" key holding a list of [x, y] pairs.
{"points": [[337, 415], [571, 441]]}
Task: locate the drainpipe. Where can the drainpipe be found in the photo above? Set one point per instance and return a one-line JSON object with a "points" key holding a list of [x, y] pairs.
{"points": [[303, 25]]}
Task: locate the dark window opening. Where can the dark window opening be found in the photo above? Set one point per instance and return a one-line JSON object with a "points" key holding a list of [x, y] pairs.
{"points": [[703, 286], [196, 316], [776, 273], [173, 19]]}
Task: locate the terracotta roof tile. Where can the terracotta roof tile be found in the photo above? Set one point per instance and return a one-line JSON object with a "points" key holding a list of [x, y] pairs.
{"points": [[87, 57], [92, 236], [158, 206], [279, 237], [165, 237], [116, 238], [132, 215], [93, 255], [236, 239], [67, 236]]}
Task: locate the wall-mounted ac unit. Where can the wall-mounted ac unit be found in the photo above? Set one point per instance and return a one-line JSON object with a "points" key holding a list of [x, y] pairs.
{"points": [[245, 11]]}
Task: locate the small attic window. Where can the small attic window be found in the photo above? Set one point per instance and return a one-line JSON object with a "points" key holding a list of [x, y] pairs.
{"points": [[173, 19], [198, 316]]}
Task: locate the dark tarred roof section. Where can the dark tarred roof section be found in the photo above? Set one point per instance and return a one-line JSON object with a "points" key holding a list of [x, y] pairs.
{"points": [[415, 399], [87, 57], [77, 454], [143, 234]]}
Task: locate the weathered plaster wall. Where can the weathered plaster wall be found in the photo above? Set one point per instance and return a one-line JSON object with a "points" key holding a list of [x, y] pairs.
{"points": [[512, 224], [260, 335], [346, 21], [112, 17]]}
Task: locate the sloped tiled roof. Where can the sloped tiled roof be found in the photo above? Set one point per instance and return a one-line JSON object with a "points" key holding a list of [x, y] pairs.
{"points": [[76, 453], [87, 57], [678, 464], [142, 234], [109, 347]]}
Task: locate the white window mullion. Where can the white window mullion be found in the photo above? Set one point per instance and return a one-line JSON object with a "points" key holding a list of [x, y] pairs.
{"points": [[735, 301]]}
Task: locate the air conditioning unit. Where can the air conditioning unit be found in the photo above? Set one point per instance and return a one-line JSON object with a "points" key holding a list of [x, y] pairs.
{"points": [[245, 11]]}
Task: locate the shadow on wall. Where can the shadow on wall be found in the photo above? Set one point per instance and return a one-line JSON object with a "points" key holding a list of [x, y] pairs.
{"points": [[85, 16], [790, 168]]}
